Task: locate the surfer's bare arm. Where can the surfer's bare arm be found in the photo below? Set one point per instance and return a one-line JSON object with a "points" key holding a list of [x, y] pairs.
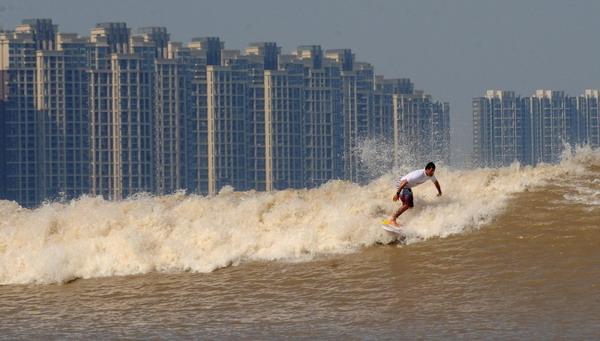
{"points": [[437, 185], [397, 195]]}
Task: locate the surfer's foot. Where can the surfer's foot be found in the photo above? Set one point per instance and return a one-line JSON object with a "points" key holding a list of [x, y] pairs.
{"points": [[394, 223]]}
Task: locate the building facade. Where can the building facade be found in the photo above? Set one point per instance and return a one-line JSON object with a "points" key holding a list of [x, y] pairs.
{"points": [[589, 113], [553, 124], [323, 120], [283, 130], [121, 113], [499, 129], [531, 130], [45, 140]]}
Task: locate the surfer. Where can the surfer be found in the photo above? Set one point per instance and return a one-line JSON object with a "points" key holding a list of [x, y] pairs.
{"points": [[404, 188]]}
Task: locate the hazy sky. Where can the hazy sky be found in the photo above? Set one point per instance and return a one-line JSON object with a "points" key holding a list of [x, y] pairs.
{"points": [[454, 50]]}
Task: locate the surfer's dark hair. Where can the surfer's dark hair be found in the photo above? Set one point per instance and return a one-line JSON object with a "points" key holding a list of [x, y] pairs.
{"points": [[430, 165]]}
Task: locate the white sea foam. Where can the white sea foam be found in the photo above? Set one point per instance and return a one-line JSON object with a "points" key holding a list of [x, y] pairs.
{"points": [[91, 237], [585, 194]]}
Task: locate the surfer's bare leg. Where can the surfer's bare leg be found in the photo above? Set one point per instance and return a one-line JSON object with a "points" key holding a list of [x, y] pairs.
{"points": [[397, 214]]}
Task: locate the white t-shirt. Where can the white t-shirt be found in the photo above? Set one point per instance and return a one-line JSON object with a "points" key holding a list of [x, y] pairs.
{"points": [[415, 178]]}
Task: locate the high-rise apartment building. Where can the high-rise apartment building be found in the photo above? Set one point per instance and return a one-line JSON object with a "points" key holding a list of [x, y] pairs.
{"points": [[323, 120], [588, 106], [381, 121], [172, 104], [76, 108], [440, 132], [276, 101], [18, 69], [45, 99], [530, 130], [499, 129], [226, 119], [260, 57], [553, 122], [121, 112], [284, 152], [218, 134], [197, 128], [357, 84], [421, 127]]}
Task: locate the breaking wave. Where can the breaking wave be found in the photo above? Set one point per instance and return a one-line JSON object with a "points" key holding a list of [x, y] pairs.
{"points": [[91, 237]]}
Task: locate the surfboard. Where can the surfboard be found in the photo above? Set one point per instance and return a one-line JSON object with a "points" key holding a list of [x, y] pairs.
{"points": [[391, 228]]}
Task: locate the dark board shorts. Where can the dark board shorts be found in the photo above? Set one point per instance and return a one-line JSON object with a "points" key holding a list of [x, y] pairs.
{"points": [[407, 197]]}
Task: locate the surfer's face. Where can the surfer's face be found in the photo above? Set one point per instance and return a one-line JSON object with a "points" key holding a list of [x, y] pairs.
{"points": [[429, 172]]}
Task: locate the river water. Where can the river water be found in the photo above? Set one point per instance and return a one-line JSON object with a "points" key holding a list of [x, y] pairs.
{"points": [[510, 253]]}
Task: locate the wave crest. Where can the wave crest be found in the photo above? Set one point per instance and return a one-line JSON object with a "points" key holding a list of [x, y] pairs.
{"points": [[91, 237]]}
